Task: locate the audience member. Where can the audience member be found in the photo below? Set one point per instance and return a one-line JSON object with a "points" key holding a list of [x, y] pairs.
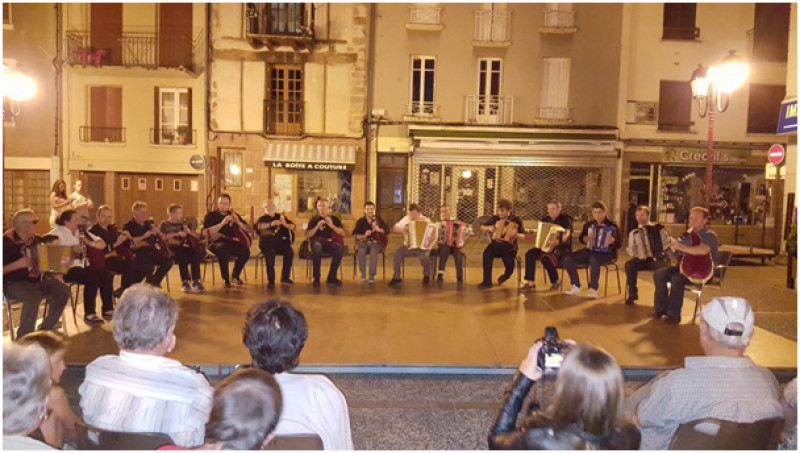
{"points": [[26, 385], [789, 404], [247, 405], [723, 384], [60, 427], [584, 413], [140, 390], [275, 333]]}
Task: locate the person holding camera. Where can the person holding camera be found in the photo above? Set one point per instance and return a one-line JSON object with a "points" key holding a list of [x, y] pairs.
{"points": [[585, 410]]}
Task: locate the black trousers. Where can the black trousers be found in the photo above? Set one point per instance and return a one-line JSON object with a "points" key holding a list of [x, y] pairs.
{"points": [[498, 249], [152, 266], [271, 247], [444, 252], [127, 269], [549, 261], [669, 301], [92, 280], [186, 258], [224, 250], [632, 268]]}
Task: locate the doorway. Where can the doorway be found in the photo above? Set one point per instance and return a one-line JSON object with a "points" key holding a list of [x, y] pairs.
{"points": [[392, 187]]}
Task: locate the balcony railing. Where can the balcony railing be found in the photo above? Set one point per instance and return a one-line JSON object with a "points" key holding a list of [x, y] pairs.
{"points": [[180, 136], [555, 114], [559, 18], [269, 19], [423, 110], [284, 117], [142, 49], [425, 15], [687, 33], [489, 109], [492, 28], [102, 134]]}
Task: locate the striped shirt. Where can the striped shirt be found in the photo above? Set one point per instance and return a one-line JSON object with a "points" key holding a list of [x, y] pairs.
{"points": [[727, 388], [145, 393]]}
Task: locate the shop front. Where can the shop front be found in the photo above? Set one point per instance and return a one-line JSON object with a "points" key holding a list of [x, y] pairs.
{"points": [[745, 199]]}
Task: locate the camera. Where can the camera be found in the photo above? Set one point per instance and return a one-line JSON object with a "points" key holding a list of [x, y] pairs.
{"points": [[552, 353]]}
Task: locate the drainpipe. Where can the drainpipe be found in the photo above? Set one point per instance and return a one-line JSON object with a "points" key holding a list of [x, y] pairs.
{"points": [[58, 65], [369, 103]]}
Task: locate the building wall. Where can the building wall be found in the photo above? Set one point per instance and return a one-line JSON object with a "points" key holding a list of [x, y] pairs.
{"points": [[790, 184]]}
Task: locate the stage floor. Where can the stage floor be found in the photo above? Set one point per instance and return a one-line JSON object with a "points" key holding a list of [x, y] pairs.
{"points": [[361, 324]]}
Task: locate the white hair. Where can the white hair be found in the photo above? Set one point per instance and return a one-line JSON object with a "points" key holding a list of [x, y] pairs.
{"points": [[143, 317], [26, 384]]}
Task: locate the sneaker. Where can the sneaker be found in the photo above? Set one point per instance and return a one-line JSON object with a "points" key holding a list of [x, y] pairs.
{"points": [[592, 293], [573, 291], [426, 280], [371, 280], [502, 279], [658, 314], [363, 279], [198, 287], [440, 278], [185, 287], [238, 281], [226, 284], [394, 282], [485, 285], [287, 281], [555, 286]]}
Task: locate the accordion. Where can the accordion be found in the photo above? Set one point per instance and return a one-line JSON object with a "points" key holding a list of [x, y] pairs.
{"points": [[55, 259], [421, 235], [646, 242], [548, 236], [452, 233], [505, 230], [600, 238]]}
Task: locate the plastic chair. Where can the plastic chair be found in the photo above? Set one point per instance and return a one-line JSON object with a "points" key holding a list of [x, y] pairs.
{"points": [[720, 270], [715, 434], [101, 439], [295, 442]]}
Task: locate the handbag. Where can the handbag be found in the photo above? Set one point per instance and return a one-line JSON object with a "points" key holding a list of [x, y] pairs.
{"points": [[305, 250]]}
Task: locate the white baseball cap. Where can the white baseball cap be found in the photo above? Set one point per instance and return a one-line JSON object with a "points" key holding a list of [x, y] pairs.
{"points": [[730, 316]]}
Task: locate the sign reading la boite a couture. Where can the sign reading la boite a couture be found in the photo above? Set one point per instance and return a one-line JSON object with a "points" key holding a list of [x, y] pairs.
{"points": [[787, 121], [317, 166]]}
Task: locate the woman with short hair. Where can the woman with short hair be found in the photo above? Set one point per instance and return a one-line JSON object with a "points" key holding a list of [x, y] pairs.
{"points": [[26, 385], [141, 390], [584, 413]]}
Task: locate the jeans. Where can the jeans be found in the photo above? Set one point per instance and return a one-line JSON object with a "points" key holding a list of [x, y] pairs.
{"points": [[593, 259], [374, 249], [458, 257], [403, 251], [30, 294], [336, 250]]}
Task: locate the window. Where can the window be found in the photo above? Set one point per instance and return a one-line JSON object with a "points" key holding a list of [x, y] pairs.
{"points": [[771, 32], [173, 116], [674, 106], [275, 18], [423, 72], [7, 24], [125, 183], [334, 186], [284, 106], [27, 189], [159, 184], [764, 108], [679, 21], [105, 116]]}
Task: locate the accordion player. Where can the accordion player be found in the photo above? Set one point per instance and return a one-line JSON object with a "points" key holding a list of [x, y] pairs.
{"points": [[647, 242], [599, 239]]}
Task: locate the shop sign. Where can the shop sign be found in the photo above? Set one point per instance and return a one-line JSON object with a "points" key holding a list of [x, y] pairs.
{"points": [[314, 166], [691, 155], [787, 121]]}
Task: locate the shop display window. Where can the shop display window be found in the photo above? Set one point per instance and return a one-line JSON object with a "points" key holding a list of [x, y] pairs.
{"points": [[334, 186]]}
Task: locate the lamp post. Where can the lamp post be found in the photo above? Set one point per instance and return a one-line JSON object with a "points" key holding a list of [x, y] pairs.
{"points": [[711, 89], [17, 87]]}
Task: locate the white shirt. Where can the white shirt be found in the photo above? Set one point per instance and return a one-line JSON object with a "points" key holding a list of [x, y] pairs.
{"points": [[407, 219], [15, 442], [79, 198], [313, 405], [67, 237], [145, 393]]}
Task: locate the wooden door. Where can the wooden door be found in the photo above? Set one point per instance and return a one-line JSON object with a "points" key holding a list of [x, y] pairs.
{"points": [[175, 35], [94, 186], [106, 30], [392, 187], [158, 191]]}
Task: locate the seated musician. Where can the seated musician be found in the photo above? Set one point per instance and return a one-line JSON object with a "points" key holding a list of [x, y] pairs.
{"points": [[23, 283], [445, 250], [370, 233], [639, 260], [414, 214], [228, 235], [275, 237], [123, 261], [80, 271], [669, 301], [152, 260], [326, 234], [185, 246], [603, 251], [505, 226], [560, 247]]}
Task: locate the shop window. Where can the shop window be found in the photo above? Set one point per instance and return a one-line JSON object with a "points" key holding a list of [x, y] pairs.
{"points": [[674, 106], [173, 108], [26, 189], [771, 32], [284, 105], [679, 21], [275, 18], [334, 186], [764, 107], [423, 76]]}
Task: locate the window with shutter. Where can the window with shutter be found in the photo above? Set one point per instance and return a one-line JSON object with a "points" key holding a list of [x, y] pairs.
{"points": [[674, 106]]}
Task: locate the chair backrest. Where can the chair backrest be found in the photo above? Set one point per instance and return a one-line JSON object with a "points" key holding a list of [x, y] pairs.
{"points": [[100, 439], [295, 442], [715, 434], [721, 269]]}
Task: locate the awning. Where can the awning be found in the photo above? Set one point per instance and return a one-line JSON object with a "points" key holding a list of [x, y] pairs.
{"points": [[300, 156], [519, 155]]}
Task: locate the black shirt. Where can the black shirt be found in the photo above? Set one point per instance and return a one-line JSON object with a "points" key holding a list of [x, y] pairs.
{"points": [[213, 218], [12, 251], [137, 230], [513, 218], [323, 233], [585, 233], [168, 227], [279, 231], [105, 235], [564, 221], [362, 225]]}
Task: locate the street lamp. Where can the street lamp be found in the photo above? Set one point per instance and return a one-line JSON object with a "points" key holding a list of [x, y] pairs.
{"points": [[711, 89], [17, 87]]}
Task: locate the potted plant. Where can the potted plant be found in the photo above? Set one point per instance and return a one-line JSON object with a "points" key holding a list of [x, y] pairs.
{"points": [[183, 135]]}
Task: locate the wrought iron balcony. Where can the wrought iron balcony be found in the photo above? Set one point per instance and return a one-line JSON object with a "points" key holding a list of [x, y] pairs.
{"points": [[132, 49], [489, 109], [179, 136], [102, 134], [284, 117], [492, 28], [422, 111]]}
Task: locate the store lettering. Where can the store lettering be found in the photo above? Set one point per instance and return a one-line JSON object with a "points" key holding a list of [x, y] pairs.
{"points": [[309, 166], [718, 156]]}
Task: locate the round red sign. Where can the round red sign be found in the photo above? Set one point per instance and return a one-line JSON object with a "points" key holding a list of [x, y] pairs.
{"points": [[776, 154]]}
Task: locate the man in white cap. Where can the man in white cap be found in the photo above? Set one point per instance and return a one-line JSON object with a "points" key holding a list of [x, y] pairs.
{"points": [[723, 383]]}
